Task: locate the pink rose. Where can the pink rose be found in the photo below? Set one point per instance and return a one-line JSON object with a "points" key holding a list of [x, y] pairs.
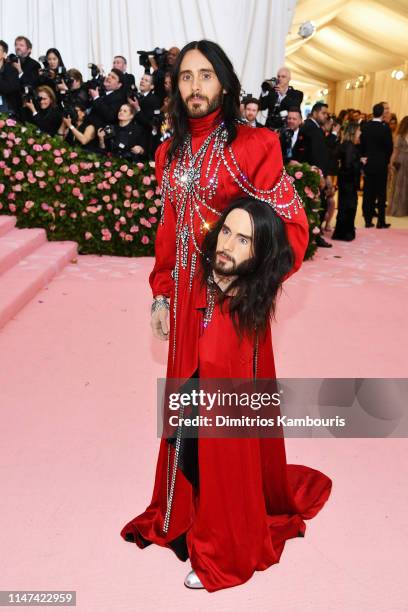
{"points": [[88, 235], [73, 215], [298, 174], [116, 211], [58, 161], [118, 174], [73, 155], [101, 218], [149, 194], [153, 210], [134, 229], [106, 198], [42, 184], [32, 179], [129, 237], [140, 165], [76, 192], [153, 219], [309, 192], [44, 206], [17, 187], [16, 160], [146, 180], [29, 160], [47, 146], [10, 122], [130, 172], [2, 188], [145, 240], [12, 207], [57, 153], [6, 153], [123, 168], [19, 175], [106, 235], [74, 169], [37, 147], [29, 204]]}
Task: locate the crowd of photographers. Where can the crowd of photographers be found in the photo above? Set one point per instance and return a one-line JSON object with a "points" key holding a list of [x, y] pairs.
{"points": [[111, 114], [108, 113]]}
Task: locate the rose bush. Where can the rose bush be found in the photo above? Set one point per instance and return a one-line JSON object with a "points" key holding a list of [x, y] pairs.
{"points": [[106, 205]]}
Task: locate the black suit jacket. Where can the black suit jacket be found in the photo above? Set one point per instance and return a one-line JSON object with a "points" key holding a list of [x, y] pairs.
{"points": [[311, 146], [9, 87], [30, 74], [104, 110], [377, 146], [293, 98]]}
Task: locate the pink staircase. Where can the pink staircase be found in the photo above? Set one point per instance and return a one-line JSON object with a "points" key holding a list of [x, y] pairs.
{"points": [[27, 263]]}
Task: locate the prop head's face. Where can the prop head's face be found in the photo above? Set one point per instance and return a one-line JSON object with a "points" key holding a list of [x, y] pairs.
{"points": [[199, 86], [234, 243]]}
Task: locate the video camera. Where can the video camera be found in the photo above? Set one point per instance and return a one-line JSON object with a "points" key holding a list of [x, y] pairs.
{"points": [[158, 53]]}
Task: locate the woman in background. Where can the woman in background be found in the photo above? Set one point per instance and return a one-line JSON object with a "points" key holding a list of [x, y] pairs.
{"points": [[398, 201], [348, 156]]}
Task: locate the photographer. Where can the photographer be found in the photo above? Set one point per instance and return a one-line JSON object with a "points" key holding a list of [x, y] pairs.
{"points": [[71, 89], [147, 108], [289, 136], [77, 130], [41, 109], [9, 83], [124, 139], [105, 108], [120, 63], [161, 62], [277, 96], [27, 67], [53, 69]]}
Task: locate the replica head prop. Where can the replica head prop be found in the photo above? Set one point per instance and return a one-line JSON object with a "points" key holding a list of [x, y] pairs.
{"points": [[249, 246]]}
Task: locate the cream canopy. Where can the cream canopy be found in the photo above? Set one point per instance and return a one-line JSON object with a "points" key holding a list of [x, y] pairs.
{"points": [[352, 38]]}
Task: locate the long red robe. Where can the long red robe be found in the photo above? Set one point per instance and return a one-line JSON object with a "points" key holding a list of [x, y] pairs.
{"points": [[249, 500]]}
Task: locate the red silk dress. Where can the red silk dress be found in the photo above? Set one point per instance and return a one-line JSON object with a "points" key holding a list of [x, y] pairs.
{"points": [[249, 500]]}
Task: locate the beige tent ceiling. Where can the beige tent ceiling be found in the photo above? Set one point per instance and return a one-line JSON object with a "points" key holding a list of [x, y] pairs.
{"points": [[353, 37]]}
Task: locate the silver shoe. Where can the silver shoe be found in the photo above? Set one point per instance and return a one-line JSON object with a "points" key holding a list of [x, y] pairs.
{"points": [[192, 581]]}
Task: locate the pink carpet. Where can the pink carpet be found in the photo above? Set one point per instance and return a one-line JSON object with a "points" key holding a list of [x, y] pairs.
{"points": [[78, 375]]}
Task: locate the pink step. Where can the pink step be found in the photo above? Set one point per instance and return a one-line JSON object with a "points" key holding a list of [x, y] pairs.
{"points": [[23, 281], [7, 222], [19, 243]]}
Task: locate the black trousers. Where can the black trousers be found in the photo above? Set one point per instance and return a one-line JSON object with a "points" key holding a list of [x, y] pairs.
{"points": [[374, 196]]}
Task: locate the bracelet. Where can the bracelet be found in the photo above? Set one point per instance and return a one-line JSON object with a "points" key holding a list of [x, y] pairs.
{"points": [[159, 302]]}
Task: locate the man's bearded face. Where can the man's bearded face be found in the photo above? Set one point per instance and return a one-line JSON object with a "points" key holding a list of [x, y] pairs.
{"points": [[199, 87], [234, 249]]}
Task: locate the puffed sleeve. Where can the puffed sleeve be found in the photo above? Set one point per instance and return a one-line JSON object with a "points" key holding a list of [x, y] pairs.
{"points": [[160, 278], [263, 166]]}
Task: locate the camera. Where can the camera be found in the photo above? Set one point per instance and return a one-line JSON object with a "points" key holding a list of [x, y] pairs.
{"points": [[269, 84], [46, 70], [68, 110], [12, 58], [97, 79], [159, 55], [29, 95], [109, 131], [62, 77], [133, 93]]}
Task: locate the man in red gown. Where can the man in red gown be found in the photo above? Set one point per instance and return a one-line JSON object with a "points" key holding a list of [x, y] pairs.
{"points": [[247, 501]]}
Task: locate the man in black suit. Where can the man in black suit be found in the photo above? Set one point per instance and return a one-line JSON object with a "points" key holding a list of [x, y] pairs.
{"points": [[311, 147], [376, 149], [120, 63], [279, 98], [147, 107], [9, 83], [105, 108], [289, 137], [27, 67], [251, 110]]}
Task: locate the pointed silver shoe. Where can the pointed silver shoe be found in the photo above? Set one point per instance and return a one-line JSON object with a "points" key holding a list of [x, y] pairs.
{"points": [[192, 581]]}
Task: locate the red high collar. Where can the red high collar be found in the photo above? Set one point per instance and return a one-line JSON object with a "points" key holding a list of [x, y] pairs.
{"points": [[205, 125]]}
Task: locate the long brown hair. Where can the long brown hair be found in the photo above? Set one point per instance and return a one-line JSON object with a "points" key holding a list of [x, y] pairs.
{"points": [[403, 126]]}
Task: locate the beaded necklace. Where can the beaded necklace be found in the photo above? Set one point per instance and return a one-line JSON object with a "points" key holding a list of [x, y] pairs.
{"points": [[183, 189]]}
